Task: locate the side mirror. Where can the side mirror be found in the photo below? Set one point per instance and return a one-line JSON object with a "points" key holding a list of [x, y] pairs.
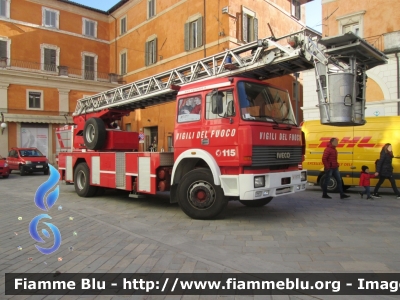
{"points": [[216, 104]]}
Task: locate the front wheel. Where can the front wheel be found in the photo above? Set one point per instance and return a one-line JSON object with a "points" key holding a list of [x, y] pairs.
{"points": [[199, 197], [21, 171], [256, 203], [6, 176], [82, 181]]}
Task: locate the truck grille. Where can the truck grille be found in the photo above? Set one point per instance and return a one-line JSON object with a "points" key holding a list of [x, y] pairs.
{"points": [[276, 157]]}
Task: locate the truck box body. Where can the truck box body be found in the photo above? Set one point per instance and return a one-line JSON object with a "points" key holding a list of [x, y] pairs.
{"points": [[358, 146]]}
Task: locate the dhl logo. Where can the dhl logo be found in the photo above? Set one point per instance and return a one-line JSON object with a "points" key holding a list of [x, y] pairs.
{"points": [[348, 142]]}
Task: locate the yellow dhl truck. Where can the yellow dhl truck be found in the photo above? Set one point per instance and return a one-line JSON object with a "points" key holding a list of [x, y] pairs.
{"points": [[358, 146]]}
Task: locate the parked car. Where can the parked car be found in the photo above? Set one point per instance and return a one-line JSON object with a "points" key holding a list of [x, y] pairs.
{"points": [[4, 170], [27, 160]]}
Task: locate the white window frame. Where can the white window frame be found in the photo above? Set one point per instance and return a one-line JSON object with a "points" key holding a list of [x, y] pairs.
{"points": [[120, 25], [41, 99], [251, 30], [148, 9], [126, 61], [8, 41], [352, 19], [152, 52], [53, 47], [198, 40], [8, 4], [83, 54], [84, 20], [44, 9]]}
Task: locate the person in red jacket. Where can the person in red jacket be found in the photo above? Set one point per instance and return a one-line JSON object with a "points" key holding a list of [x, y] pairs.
{"points": [[365, 182], [331, 168]]}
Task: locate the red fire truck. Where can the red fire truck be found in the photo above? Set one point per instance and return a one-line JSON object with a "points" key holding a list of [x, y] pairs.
{"points": [[235, 136]]}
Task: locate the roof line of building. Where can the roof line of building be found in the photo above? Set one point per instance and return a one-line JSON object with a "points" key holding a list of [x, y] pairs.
{"points": [[108, 12]]}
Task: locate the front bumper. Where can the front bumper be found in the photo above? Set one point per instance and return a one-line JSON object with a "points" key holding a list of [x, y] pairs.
{"points": [[4, 171], [276, 184], [41, 167]]}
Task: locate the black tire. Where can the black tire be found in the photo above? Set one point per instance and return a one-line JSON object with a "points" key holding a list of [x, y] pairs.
{"points": [[94, 133], [82, 181], [333, 186], [198, 197], [256, 203], [21, 171], [46, 172], [6, 176]]}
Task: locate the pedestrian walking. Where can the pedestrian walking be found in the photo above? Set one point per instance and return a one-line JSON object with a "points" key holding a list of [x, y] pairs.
{"points": [[331, 167], [365, 182], [384, 169]]}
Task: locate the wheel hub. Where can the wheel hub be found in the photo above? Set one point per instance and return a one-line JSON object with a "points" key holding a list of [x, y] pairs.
{"points": [[201, 195]]}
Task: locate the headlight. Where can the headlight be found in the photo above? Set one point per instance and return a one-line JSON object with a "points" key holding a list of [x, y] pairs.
{"points": [[303, 175], [259, 181]]}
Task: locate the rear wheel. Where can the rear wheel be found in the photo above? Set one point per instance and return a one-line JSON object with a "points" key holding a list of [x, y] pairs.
{"points": [[82, 181], [256, 203], [333, 186], [46, 172], [198, 197], [94, 133], [6, 176]]}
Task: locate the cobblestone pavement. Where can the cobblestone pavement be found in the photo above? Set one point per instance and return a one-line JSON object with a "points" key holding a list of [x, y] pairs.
{"points": [[114, 233]]}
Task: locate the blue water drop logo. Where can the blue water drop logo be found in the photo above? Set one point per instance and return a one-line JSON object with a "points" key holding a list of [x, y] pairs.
{"points": [[45, 203]]}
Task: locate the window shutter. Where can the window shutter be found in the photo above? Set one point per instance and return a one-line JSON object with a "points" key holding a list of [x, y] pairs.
{"points": [[154, 60], [298, 10], [255, 20], [47, 18], [3, 49], [244, 27], [3, 8], [52, 19], [187, 37], [200, 32], [147, 53], [123, 63]]}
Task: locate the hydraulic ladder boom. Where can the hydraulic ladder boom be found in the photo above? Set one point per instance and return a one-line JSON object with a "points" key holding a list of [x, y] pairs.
{"points": [[263, 59]]}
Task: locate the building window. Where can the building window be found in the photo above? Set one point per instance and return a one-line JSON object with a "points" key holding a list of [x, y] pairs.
{"points": [[151, 8], [353, 22], [89, 28], [354, 28], [34, 100], [194, 34], [249, 25], [151, 52], [50, 57], [123, 63], [5, 8], [296, 9], [89, 66], [122, 26], [50, 17]]}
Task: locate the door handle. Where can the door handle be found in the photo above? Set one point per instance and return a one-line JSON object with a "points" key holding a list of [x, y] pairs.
{"points": [[352, 167]]}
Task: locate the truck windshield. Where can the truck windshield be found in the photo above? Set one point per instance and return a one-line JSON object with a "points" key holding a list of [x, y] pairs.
{"points": [[259, 102]]}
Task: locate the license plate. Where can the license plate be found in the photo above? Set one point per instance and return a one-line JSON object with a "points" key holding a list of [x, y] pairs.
{"points": [[39, 167]]}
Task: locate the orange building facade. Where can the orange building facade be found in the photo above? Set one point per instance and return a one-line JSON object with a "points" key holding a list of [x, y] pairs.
{"points": [[376, 22], [54, 52]]}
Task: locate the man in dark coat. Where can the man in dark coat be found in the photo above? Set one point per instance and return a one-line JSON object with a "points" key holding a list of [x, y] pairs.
{"points": [[331, 167], [384, 169]]}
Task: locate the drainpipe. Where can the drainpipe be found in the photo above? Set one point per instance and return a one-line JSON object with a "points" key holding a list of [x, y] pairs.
{"points": [[115, 35], [398, 83], [204, 29]]}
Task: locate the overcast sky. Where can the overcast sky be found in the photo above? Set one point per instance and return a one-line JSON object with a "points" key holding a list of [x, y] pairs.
{"points": [[313, 10]]}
